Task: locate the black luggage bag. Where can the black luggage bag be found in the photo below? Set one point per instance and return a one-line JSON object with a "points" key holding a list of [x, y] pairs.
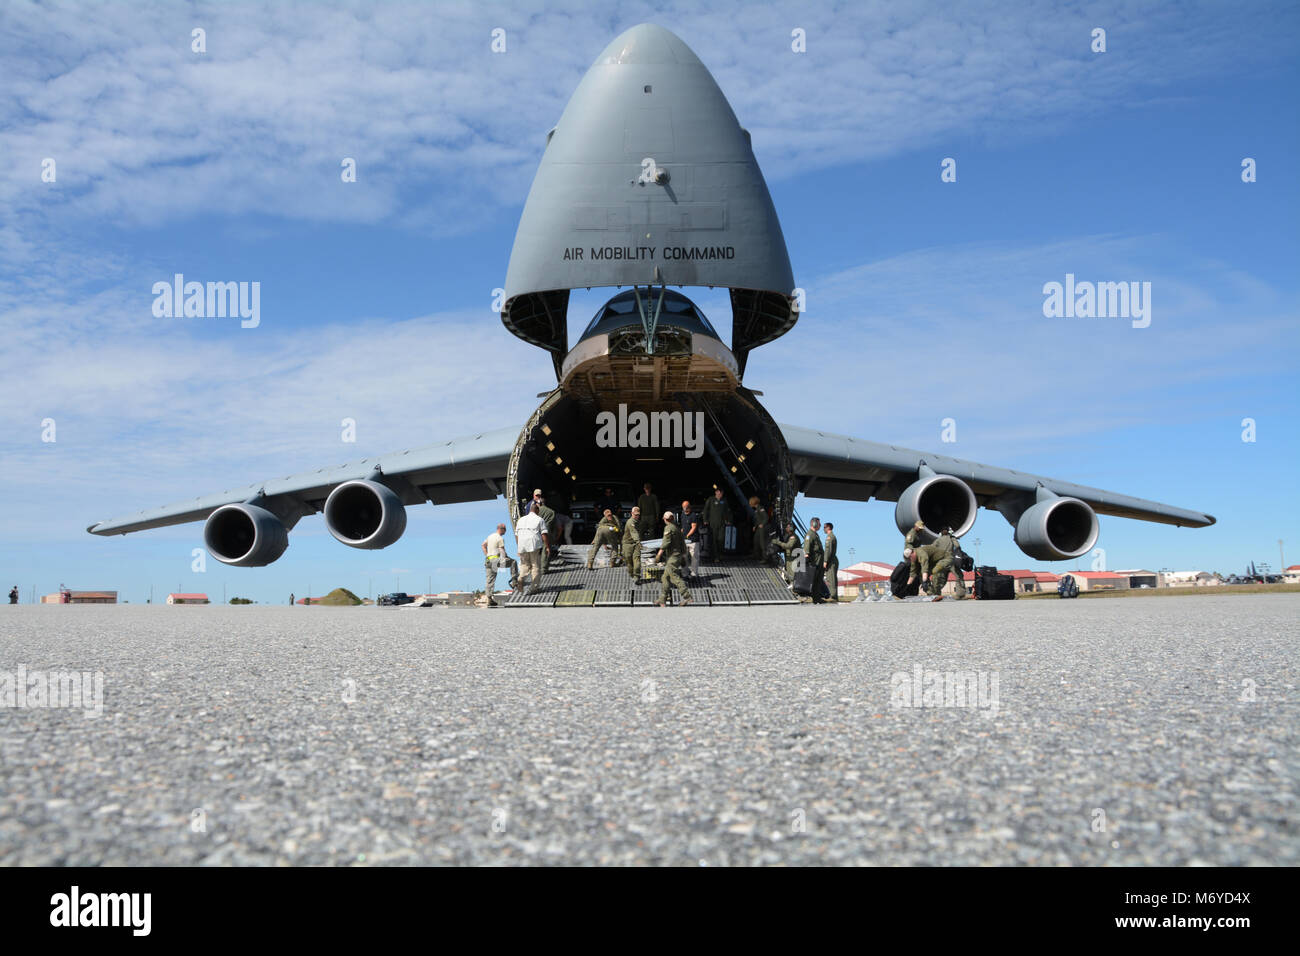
{"points": [[898, 586], [991, 586]]}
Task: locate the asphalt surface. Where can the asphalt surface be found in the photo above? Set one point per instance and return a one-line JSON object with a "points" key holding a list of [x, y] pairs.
{"points": [[680, 736]]}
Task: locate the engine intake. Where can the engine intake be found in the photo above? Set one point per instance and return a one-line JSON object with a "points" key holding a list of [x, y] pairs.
{"points": [[245, 536], [1057, 529], [365, 514], [941, 501]]}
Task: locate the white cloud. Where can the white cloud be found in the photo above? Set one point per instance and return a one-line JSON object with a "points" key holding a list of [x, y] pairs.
{"points": [[145, 131]]}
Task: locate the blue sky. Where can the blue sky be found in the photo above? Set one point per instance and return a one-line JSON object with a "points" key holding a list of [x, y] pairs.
{"points": [[924, 298]]}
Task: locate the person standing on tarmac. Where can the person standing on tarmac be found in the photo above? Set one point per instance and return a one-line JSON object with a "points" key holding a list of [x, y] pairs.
{"points": [[674, 548], [495, 558], [832, 564], [717, 515], [13, 594], [607, 533], [812, 549], [632, 545]]}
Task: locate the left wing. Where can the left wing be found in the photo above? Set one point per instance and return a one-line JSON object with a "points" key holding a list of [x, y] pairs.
{"points": [[1054, 519], [365, 500]]}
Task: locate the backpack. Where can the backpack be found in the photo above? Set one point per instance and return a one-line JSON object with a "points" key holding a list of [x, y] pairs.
{"points": [[1067, 587]]}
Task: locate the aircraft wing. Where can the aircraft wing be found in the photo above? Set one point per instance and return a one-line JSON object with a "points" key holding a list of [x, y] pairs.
{"points": [[467, 469], [837, 466]]}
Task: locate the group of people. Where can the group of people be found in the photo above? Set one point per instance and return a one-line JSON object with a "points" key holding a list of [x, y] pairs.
{"points": [[688, 535], [930, 564], [822, 560]]}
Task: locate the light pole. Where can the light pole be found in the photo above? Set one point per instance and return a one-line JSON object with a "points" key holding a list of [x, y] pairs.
{"points": [[978, 542]]}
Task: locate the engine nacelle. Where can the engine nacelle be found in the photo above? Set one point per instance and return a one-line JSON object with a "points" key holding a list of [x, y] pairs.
{"points": [[1057, 529], [365, 514], [245, 536], [941, 501]]}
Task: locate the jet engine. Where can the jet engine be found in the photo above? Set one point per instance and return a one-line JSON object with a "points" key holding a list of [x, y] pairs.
{"points": [[1056, 529], [245, 536], [365, 514], [941, 501]]}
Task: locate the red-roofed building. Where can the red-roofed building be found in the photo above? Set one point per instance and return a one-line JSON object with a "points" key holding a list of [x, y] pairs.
{"points": [[187, 599]]}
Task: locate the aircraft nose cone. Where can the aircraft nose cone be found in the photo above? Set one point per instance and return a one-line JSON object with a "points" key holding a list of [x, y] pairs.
{"points": [[646, 43]]}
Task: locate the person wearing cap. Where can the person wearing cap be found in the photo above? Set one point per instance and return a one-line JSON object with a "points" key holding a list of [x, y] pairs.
{"points": [[607, 533], [916, 537], [789, 544], [632, 545], [495, 558], [532, 539], [548, 518], [649, 505], [673, 553]]}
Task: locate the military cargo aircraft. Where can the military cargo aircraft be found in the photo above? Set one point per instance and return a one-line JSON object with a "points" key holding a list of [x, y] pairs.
{"points": [[649, 182]]}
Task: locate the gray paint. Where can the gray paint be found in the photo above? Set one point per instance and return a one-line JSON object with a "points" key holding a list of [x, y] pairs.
{"points": [[587, 194]]}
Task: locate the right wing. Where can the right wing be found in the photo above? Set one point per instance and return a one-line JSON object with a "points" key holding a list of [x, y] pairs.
{"points": [[467, 469]]}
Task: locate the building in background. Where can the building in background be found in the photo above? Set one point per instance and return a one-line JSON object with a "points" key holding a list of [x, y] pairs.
{"points": [[1187, 579], [1138, 578], [80, 597], [187, 599], [1101, 580]]}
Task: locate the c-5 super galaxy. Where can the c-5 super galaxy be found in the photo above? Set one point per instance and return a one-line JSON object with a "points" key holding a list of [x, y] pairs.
{"points": [[649, 182]]}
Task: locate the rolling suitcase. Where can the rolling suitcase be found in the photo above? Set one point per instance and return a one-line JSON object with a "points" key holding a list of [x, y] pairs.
{"points": [[729, 538]]}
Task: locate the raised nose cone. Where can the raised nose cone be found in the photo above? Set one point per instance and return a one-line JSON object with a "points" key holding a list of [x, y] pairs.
{"points": [[647, 43], [648, 178]]}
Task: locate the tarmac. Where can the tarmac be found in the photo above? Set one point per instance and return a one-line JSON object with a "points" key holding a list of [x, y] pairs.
{"points": [[1019, 732]]}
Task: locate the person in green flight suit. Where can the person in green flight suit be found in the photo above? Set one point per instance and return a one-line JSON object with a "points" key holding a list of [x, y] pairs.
{"points": [[947, 543], [717, 515], [548, 519], [789, 544], [632, 545], [916, 537], [832, 563], [673, 552], [649, 505], [929, 562], [607, 533], [760, 529], [813, 551]]}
